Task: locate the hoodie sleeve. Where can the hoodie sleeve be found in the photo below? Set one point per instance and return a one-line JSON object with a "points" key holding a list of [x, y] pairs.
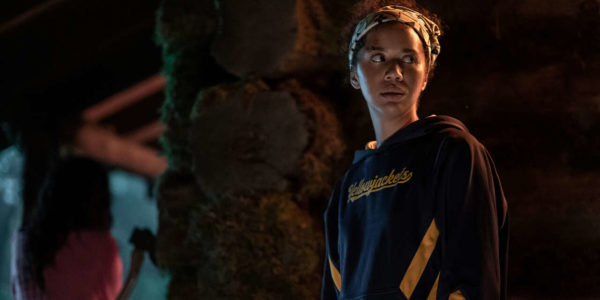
{"points": [[331, 281], [475, 231], [328, 290]]}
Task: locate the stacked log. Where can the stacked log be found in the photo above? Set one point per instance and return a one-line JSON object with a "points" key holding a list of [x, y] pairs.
{"points": [[252, 156]]}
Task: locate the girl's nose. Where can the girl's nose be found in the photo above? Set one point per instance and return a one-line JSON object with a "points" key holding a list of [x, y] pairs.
{"points": [[394, 73]]}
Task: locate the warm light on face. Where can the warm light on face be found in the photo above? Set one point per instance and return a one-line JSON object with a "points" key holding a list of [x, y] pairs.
{"points": [[391, 70]]}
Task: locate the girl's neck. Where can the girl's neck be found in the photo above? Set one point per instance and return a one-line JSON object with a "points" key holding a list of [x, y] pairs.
{"points": [[384, 128]]}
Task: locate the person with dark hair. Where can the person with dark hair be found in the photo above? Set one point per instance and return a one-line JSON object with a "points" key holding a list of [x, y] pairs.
{"points": [[66, 251], [421, 213]]}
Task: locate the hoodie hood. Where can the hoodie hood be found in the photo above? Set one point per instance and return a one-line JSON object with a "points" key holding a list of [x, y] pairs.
{"points": [[419, 128]]}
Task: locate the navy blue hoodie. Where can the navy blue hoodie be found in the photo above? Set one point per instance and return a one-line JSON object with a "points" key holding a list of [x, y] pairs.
{"points": [[423, 216]]}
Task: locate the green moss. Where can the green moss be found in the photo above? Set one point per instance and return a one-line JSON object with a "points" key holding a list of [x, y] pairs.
{"points": [[250, 246], [219, 92], [184, 31], [262, 248], [176, 148], [182, 21]]}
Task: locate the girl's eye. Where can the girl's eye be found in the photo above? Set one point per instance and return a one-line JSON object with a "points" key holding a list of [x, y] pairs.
{"points": [[377, 58], [409, 59]]}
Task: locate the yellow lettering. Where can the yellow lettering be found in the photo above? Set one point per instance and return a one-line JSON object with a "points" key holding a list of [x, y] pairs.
{"points": [[390, 177], [365, 188], [384, 181]]}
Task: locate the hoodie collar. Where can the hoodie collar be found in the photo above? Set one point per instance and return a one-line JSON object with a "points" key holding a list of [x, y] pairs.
{"points": [[414, 130]]}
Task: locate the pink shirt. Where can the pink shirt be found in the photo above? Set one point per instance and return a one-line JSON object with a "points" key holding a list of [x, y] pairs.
{"points": [[88, 266]]}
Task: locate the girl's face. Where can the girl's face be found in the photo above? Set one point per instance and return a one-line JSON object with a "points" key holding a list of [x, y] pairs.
{"points": [[391, 70]]}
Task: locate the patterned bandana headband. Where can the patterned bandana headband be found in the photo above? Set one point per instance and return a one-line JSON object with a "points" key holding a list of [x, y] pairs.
{"points": [[427, 30]]}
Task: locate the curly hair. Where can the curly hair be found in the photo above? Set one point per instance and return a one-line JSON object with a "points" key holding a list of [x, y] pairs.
{"points": [[75, 196], [361, 9]]}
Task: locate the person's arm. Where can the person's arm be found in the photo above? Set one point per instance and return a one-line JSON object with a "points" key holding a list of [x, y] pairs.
{"points": [[474, 233]]}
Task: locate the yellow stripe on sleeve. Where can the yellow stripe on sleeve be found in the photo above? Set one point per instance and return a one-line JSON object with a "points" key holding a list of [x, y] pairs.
{"points": [[433, 292], [335, 274], [419, 261]]}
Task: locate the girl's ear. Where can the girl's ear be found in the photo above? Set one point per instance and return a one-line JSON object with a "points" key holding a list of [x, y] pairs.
{"points": [[426, 79], [354, 80]]}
